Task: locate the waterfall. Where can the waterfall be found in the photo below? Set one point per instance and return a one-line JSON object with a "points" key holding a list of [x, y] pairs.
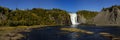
{"points": [[73, 17]]}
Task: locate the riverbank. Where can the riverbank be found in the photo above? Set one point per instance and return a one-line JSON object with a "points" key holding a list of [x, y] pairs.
{"points": [[13, 33], [117, 25], [102, 25]]}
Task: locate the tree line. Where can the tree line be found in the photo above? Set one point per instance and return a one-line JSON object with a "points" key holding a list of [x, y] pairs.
{"points": [[34, 16], [40, 16]]}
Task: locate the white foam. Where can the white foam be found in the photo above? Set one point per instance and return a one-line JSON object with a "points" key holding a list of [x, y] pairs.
{"points": [[73, 17]]}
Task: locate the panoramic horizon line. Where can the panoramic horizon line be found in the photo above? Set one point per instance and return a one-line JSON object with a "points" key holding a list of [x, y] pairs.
{"points": [[57, 8], [47, 9]]}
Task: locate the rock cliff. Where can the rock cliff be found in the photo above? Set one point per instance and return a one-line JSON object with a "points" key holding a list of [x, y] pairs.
{"points": [[86, 17], [108, 16]]}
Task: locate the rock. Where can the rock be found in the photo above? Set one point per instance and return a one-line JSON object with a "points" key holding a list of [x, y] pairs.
{"points": [[115, 38], [71, 29], [76, 30], [108, 17], [81, 19], [11, 36], [18, 36], [106, 34], [88, 32], [86, 17]]}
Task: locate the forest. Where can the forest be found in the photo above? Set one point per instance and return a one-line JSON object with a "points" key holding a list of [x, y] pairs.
{"points": [[35, 16]]}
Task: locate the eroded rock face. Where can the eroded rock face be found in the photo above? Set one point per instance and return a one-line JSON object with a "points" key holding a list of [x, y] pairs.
{"points": [[81, 19], [2, 17], [108, 17]]}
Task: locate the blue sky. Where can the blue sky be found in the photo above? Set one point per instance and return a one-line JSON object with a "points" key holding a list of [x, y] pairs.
{"points": [[68, 5]]}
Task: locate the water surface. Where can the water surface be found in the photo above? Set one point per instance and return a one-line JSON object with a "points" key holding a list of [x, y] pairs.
{"points": [[54, 33]]}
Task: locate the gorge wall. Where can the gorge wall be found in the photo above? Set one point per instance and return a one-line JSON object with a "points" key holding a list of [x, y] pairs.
{"points": [[108, 16], [86, 17]]}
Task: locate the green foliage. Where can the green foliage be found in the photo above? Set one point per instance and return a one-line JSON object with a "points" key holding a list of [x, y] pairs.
{"points": [[35, 16], [87, 14], [110, 8]]}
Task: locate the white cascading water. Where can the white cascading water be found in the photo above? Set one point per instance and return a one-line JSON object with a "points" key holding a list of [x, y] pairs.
{"points": [[73, 17]]}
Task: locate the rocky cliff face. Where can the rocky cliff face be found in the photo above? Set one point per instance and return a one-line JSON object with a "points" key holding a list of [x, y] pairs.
{"points": [[108, 16], [62, 19], [2, 17], [81, 19], [86, 17]]}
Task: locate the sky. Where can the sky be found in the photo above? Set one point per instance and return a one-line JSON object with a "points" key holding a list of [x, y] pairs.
{"points": [[68, 5]]}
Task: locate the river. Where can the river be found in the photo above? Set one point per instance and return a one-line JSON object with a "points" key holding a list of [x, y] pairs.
{"points": [[54, 33]]}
